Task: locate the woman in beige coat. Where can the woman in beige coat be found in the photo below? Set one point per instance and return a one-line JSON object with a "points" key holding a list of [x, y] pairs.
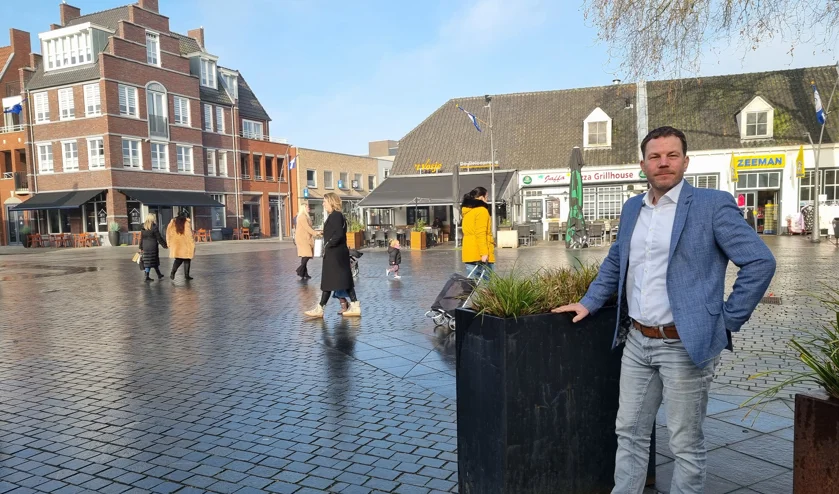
{"points": [[181, 243], [304, 238]]}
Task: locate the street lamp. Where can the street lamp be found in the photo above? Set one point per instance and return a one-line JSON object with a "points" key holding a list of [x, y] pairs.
{"points": [[488, 100]]}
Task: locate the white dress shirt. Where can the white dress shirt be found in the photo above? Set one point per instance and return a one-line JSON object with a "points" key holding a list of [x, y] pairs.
{"points": [[649, 256]]}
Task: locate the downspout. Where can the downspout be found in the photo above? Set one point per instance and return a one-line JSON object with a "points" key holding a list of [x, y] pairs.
{"points": [[32, 154], [236, 184]]}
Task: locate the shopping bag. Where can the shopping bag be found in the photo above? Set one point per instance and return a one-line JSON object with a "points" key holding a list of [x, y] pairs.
{"points": [[138, 258], [318, 251]]}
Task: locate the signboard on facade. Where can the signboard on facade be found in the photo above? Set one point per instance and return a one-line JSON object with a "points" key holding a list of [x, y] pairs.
{"points": [[760, 162], [592, 176], [428, 166]]}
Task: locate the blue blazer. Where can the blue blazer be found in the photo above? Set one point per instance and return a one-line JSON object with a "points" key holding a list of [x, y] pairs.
{"points": [[708, 231]]}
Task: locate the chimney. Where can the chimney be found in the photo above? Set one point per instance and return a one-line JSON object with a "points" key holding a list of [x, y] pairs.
{"points": [[149, 5], [21, 41], [197, 35], [68, 13], [34, 60], [53, 27]]}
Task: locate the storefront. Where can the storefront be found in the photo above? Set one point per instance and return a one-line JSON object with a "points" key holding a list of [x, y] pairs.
{"points": [[758, 181]]}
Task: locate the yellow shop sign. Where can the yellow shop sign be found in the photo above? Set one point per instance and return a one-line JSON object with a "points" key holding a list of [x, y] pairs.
{"points": [[760, 161], [428, 166]]}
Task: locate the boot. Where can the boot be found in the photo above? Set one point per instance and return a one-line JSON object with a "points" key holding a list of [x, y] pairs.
{"points": [[148, 278], [172, 274], [187, 265], [344, 306], [317, 312], [159, 275], [353, 311]]}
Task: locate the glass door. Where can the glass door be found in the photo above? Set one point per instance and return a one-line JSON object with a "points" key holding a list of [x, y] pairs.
{"points": [[15, 223]]}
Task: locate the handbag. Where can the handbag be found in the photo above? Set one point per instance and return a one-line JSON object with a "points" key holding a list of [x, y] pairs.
{"points": [[138, 258]]}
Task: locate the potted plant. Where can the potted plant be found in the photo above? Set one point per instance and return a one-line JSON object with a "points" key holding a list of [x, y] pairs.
{"points": [[113, 233], [246, 224], [418, 236], [537, 395], [816, 425], [355, 234], [26, 230]]}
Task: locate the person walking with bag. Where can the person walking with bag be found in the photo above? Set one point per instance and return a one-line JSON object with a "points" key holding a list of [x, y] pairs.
{"points": [[304, 239], [336, 273], [150, 238], [668, 267], [181, 243], [478, 246]]}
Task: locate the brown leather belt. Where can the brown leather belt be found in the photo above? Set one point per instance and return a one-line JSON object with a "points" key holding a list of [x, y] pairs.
{"points": [[660, 332]]}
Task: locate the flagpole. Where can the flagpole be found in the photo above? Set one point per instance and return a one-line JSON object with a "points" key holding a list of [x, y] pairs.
{"points": [[491, 165], [817, 231]]}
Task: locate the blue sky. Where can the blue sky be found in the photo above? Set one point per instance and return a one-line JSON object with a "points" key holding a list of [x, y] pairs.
{"points": [[334, 75]]}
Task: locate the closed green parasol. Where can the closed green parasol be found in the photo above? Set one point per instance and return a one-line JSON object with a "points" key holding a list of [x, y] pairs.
{"points": [[576, 235]]}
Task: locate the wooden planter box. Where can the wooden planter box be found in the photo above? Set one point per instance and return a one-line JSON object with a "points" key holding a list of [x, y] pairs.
{"points": [[816, 445], [419, 240], [537, 399], [508, 239], [355, 240]]}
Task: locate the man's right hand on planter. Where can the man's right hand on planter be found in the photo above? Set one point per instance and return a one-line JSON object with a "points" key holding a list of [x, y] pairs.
{"points": [[578, 308]]}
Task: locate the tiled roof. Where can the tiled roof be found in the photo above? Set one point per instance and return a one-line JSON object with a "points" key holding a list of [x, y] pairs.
{"points": [[188, 45], [706, 108], [107, 18], [531, 130], [216, 96], [40, 79], [249, 105], [5, 52]]}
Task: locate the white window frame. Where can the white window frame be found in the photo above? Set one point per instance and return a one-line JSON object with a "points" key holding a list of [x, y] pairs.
{"points": [[358, 177], [208, 73], [182, 111], [220, 119], [222, 164], [185, 161], [596, 118], [208, 117], [46, 164], [70, 156], [313, 185], [68, 50], [128, 101], [95, 159], [159, 160], [42, 107], [66, 105], [328, 183], [757, 124], [210, 158], [153, 48], [92, 100], [755, 108], [130, 160], [343, 180], [251, 129]]}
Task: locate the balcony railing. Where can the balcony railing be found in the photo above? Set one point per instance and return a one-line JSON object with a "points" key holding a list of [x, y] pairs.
{"points": [[20, 178], [11, 128], [158, 126], [258, 176], [262, 137]]}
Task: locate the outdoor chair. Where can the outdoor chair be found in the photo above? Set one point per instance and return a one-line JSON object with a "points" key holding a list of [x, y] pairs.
{"points": [[595, 234], [368, 238], [135, 238], [381, 241], [524, 234], [246, 233], [237, 234], [93, 239], [553, 231]]}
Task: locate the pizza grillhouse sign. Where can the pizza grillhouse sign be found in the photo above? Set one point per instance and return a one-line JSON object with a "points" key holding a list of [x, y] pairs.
{"points": [[598, 176]]}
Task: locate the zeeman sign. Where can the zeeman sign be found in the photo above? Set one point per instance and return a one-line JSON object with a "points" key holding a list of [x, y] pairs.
{"points": [[760, 161]]}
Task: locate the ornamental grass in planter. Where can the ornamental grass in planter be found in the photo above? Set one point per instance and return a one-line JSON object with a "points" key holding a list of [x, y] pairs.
{"points": [[537, 395], [816, 431]]}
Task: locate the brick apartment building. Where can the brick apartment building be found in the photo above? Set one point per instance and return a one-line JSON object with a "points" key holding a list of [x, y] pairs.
{"points": [[128, 117]]}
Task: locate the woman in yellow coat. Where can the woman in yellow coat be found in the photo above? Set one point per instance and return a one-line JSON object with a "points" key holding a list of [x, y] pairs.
{"points": [[181, 243], [478, 245]]}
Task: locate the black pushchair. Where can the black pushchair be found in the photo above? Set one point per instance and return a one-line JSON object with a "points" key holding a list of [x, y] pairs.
{"points": [[455, 294]]}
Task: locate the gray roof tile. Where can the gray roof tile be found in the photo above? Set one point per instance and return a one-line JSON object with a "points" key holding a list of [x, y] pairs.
{"points": [[107, 18], [41, 79], [215, 96], [187, 45], [531, 130], [249, 105]]}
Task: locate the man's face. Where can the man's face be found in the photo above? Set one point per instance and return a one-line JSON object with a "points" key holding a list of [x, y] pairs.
{"points": [[664, 163]]}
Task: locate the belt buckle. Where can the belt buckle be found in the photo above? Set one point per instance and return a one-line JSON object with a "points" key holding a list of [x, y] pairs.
{"points": [[661, 332]]}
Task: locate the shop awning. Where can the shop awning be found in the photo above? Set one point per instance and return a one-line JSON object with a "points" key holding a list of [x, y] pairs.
{"points": [[171, 198], [58, 200], [432, 189]]}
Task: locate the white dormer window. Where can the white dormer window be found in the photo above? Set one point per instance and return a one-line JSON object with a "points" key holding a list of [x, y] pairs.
{"points": [[230, 80], [756, 119], [597, 130], [208, 73], [72, 46]]}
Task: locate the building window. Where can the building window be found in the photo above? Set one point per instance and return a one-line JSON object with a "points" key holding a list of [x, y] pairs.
{"points": [[387, 172], [703, 181], [343, 179], [831, 185], [231, 83], [357, 184], [609, 202], [66, 107], [158, 111], [311, 179], [222, 163], [371, 182], [757, 124], [181, 110], [159, 156], [71, 155], [208, 118], [257, 166], [220, 120], [759, 180], [67, 51], [211, 162], [269, 168], [131, 153], [96, 153], [128, 100], [218, 214], [244, 166], [185, 159], [208, 73], [807, 187], [251, 129], [92, 100], [42, 108], [327, 180], [45, 164], [152, 48], [598, 133]]}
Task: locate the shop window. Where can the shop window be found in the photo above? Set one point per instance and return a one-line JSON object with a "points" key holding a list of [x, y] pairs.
{"points": [[96, 215], [414, 214], [135, 216], [807, 186], [759, 180], [609, 202], [703, 181], [533, 210], [831, 185]]}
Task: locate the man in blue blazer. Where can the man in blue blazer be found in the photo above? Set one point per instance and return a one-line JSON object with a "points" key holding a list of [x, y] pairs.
{"points": [[668, 268]]}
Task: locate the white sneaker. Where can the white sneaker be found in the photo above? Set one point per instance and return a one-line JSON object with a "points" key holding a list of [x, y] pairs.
{"points": [[387, 273], [317, 312], [353, 311], [397, 277]]}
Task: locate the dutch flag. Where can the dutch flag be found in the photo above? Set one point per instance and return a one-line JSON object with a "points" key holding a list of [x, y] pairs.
{"points": [[819, 110], [473, 118]]}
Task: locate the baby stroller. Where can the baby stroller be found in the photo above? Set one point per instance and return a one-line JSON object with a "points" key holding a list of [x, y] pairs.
{"points": [[354, 256], [456, 293]]}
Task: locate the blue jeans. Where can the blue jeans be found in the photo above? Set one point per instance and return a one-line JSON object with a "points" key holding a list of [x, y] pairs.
{"points": [[651, 370], [481, 271]]}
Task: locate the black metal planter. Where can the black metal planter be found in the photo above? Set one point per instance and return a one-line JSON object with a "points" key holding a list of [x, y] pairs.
{"points": [[537, 399]]}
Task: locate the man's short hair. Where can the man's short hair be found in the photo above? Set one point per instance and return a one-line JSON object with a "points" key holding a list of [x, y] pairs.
{"points": [[664, 132]]}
